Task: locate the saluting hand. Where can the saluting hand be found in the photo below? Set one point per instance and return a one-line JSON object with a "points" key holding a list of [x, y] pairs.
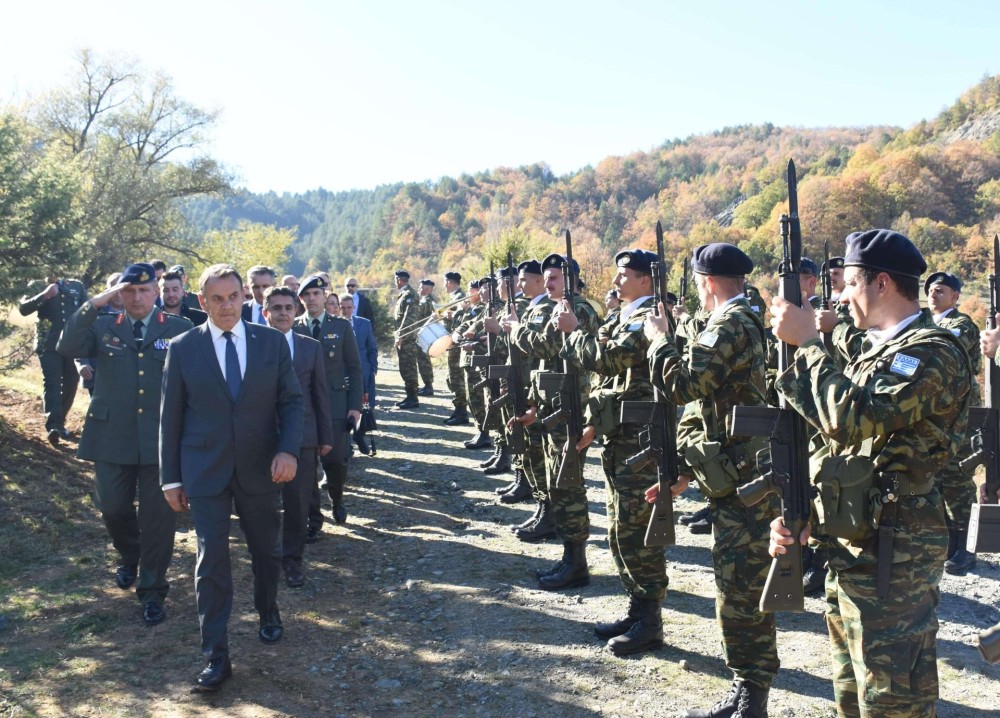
{"points": [[104, 297], [283, 467]]}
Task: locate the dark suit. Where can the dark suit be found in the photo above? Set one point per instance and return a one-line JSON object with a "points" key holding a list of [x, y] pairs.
{"points": [[247, 313], [121, 432], [344, 383], [368, 350], [364, 307], [317, 430], [193, 315], [220, 450]]}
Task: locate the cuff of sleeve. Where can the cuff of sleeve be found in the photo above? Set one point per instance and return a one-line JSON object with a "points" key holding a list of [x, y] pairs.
{"points": [[166, 487]]}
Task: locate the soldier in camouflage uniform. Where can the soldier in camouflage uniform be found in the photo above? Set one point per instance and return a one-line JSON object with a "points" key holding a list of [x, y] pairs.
{"points": [[425, 309], [456, 377], [897, 416], [406, 316], [562, 509], [618, 356], [469, 335], [54, 301], [958, 490], [722, 367]]}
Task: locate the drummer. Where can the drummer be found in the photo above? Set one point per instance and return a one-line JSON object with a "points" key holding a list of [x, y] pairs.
{"points": [[425, 310]]}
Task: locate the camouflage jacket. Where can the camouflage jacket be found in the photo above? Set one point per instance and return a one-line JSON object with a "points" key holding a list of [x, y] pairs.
{"points": [[407, 311], [903, 404], [967, 333], [454, 319], [723, 367], [540, 340]]}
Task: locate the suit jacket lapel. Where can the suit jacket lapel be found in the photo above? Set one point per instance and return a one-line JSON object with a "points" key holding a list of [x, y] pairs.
{"points": [[253, 357]]}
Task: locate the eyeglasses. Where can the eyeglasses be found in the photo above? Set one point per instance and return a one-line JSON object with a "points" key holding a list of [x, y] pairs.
{"points": [[351, 286]]}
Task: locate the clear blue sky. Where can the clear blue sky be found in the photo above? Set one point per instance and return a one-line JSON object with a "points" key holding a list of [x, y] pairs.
{"points": [[355, 94]]}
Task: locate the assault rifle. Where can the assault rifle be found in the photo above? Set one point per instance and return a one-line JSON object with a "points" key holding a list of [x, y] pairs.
{"points": [[826, 292], [787, 437], [658, 437], [493, 420], [984, 525], [565, 386], [512, 372], [682, 296]]}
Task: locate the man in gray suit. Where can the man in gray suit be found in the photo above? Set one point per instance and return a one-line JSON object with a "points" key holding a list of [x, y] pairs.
{"points": [[123, 426], [343, 379], [230, 432], [317, 429]]}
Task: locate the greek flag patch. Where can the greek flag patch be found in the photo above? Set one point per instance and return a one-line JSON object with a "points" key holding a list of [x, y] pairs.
{"points": [[904, 365], [538, 319], [634, 326], [957, 332], [708, 339]]}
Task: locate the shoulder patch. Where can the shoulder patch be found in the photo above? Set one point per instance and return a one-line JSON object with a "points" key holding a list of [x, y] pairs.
{"points": [[957, 332], [634, 326], [708, 339], [904, 365]]}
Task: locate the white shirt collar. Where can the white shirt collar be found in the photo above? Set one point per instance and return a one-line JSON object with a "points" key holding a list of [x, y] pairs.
{"points": [[628, 310], [536, 299], [942, 315], [238, 331], [879, 337]]}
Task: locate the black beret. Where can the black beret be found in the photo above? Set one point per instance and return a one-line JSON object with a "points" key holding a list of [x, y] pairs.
{"points": [[671, 298], [178, 268], [556, 261], [402, 274], [835, 263], [505, 272], [807, 266], [885, 251], [638, 260], [948, 280], [721, 259], [427, 282], [316, 281], [141, 273], [484, 281], [530, 266], [452, 277], [473, 284]]}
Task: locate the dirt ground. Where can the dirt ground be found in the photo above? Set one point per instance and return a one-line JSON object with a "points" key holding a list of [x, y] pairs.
{"points": [[423, 604]]}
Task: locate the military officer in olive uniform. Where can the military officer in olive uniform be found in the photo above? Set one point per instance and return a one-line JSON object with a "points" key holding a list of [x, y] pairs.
{"points": [[958, 490], [54, 302], [618, 356], [407, 315], [344, 381], [456, 377], [723, 366], [425, 307], [122, 428], [891, 422]]}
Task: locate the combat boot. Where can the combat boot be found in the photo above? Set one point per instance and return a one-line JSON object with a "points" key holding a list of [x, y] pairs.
{"points": [[744, 700], [531, 520], [492, 459], [961, 560], [480, 441], [459, 418], [573, 573], [427, 390], [646, 634], [702, 513], [502, 464], [608, 631], [520, 491], [452, 415], [410, 402], [543, 527]]}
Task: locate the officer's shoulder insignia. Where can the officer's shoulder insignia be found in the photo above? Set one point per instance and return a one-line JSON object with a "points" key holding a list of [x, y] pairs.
{"points": [[904, 365], [120, 319], [708, 339]]}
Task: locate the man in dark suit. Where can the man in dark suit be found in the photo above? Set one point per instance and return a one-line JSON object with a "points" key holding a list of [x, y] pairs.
{"points": [[317, 428], [367, 348], [123, 425], [362, 305], [343, 378], [230, 433], [259, 279], [172, 294]]}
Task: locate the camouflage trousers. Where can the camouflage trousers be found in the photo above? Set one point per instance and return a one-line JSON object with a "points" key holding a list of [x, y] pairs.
{"points": [[425, 367], [456, 379], [642, 569], [477, 397], [407, 354], [534, 461], [569, 503], [741, 563], [958, 490], [884, 652]]}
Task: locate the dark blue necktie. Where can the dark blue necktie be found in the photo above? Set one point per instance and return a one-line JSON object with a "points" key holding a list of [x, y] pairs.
{"points": [[137, 331], [233, 377]]}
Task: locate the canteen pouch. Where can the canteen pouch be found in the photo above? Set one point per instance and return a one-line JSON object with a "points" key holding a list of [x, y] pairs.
{"points": [[602, 412], [715, 472], [849, 502]]}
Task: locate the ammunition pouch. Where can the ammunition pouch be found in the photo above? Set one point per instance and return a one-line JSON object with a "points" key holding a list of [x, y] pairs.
{"points": [[850, 500], [603, 412], [712, 468]]}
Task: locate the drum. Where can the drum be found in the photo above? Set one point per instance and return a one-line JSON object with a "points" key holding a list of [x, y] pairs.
{"points": [[434, 339]]}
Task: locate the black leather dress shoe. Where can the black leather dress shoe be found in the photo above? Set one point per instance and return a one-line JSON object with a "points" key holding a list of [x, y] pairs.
{"points": [[339, 513], [54, 436], [270, 626], [65, 433], [153, 613], [294, 577], [216, 672], [125, 576], [312, 535]]}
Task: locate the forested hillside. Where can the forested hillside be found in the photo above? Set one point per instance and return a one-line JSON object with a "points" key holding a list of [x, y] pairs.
{"points": [[938, 182]]}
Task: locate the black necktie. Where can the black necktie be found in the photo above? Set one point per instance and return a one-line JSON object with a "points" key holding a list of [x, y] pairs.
{"points": [[137, 331], [315, 331], [233, 377]]}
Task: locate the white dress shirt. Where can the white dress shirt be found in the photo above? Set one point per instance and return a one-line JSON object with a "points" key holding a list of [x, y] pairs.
{"points": [[219, 343], [289, 337]]}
